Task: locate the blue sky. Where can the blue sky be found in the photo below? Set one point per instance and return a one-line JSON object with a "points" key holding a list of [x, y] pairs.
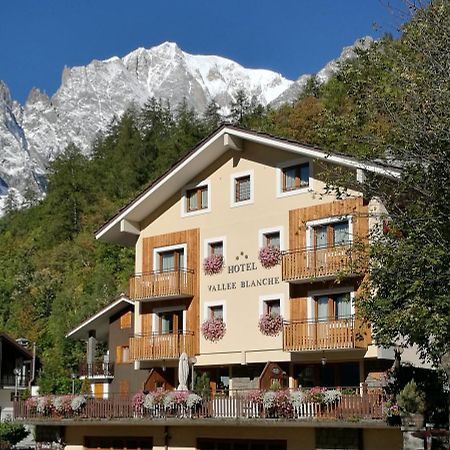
{"points": [[39, 37]]}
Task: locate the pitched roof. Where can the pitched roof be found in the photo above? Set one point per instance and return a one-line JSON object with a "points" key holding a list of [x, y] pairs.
{"points": [[100, 320], [19, 348], [119, 228]]}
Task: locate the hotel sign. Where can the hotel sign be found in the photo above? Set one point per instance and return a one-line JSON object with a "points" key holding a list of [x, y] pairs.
{"points": [[234, 269]]}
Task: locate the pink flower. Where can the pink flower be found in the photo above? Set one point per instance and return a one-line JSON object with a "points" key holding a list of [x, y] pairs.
{"points": [[270, 324], [269, 256], [213, 264], [213, 329]]}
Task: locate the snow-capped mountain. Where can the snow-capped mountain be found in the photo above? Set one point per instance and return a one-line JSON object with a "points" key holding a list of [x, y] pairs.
{"points": [[91, 96]]}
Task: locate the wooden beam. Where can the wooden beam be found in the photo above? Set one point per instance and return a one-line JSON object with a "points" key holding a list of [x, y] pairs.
{"points": [[127, 226], [232, 142]]}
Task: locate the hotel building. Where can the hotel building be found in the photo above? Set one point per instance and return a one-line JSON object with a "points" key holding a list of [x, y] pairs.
{"points": [[247, 263]]}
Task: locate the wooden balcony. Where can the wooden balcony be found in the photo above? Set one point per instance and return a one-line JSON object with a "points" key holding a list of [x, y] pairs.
{"points": [[175, 284], [333, 334], [96, 369], [307, 264], [368, 406], [161, 346]]}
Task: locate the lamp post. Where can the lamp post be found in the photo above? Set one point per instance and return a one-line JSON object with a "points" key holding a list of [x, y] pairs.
{"points": [[74, 377], [17, 373]]}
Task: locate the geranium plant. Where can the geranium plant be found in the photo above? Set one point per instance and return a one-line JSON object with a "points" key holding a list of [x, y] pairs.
{"points": [[269, 256], [213, 329], [270, 324], [213, 264]]}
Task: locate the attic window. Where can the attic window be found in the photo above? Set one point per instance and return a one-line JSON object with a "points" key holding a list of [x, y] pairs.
{"points": [[295, 177], [197, 198], [242, 190]]}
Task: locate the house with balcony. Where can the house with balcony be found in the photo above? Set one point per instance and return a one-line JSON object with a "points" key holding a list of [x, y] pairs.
{"points": [[15, 373], [246, 263]]}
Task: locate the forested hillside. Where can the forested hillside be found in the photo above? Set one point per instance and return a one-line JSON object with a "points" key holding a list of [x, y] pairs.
{"points": [[53, 274]]}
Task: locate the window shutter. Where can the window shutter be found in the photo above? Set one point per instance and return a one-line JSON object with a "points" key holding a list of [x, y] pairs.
{"points": [[118, 354]]}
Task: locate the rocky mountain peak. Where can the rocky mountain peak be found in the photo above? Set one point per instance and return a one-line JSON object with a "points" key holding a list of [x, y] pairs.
{"points": [[5, 95], [90, 96]]}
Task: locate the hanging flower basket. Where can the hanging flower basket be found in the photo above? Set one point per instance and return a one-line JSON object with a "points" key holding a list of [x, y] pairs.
{"points": [[213, 264], [269, 256], [270, 324], [213, 329]]}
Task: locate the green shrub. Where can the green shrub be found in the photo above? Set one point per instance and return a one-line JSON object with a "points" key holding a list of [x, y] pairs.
{"points": [[410, 399]]}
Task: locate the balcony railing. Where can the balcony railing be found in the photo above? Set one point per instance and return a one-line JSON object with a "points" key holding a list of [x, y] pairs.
{"points": [[332, 334], [178, 283], [10, 381], [161, 346], [326, 262], [97, 369], [368, 406]]}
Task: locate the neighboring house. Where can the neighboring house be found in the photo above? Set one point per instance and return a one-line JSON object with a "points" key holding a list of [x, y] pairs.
{"points": [[246, 264], [107, 334], [15, 369]]}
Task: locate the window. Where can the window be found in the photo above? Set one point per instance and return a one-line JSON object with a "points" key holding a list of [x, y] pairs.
{"points": [[272, 304], [240, 444], [215, 248], [272, 239], [242, 189], [333, 307], [125, 320], [170, 259], [197, 198], [295, 177], [216, 312], [122, 354], [170, 322], [340, 233], [272, 307], [109, 442], [332, 234]]}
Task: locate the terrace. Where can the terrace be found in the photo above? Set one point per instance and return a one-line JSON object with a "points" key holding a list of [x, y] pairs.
{"points": [[282, 405]]}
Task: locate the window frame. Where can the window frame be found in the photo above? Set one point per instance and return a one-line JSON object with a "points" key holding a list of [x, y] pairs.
{"points": [[311, 305], [233, 178], [185, 212], [119, 355], [263, 299], [280, 177], [212, 304], [262, 233], [156, 320], [328, 222], [126, 320], [157, 251], [214, 240]]}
